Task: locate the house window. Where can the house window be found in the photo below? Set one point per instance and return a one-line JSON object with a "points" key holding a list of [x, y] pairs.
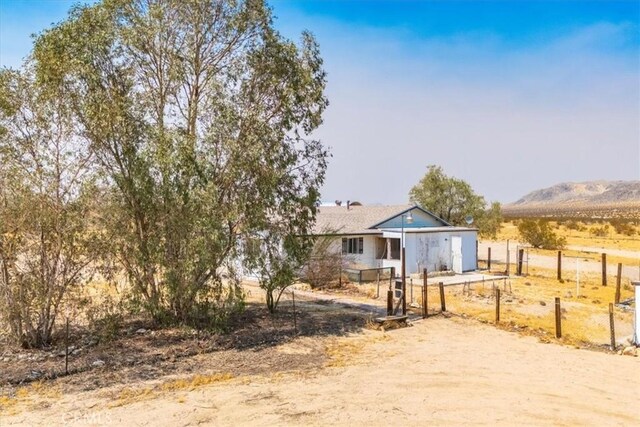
{"points": [[352, 245], [395, 249]]}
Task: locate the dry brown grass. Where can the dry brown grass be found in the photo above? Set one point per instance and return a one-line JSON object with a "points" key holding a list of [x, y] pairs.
{"points": [[528, 306], [131, 395], [346, 350], [35, 394]]}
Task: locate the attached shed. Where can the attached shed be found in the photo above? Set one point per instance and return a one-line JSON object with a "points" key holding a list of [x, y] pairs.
{"points": [[371, 236]]}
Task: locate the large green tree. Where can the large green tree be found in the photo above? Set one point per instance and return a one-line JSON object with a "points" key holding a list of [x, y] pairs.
{"points": [[199, 112], [453, 200]]}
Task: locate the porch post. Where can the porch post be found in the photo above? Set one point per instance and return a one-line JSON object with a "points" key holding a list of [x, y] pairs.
{"points": [[388, 240]]}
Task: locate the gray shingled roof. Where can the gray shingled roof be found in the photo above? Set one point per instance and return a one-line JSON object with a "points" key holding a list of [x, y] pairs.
{"points": [[355, 220]]}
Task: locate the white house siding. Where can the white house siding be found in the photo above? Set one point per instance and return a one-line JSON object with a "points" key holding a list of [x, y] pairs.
{"points": [[433, 251], [387, 263], [428, 249], [367, 259]]}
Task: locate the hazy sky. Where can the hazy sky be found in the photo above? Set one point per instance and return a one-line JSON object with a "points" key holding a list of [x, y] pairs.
{"points": [[509, 95]]}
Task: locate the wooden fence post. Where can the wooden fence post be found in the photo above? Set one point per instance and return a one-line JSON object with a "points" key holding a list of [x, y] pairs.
{"points": [[612, 327], [558, 319], [520, 256], [392, 277], [425, 307], [489, 259], [66, 348], [618, 283], [497, 305], [604, 269], [508, 270], [443, 305], [559, 265], [295, 321], [389, 302], [404, 283], [411, 284]]}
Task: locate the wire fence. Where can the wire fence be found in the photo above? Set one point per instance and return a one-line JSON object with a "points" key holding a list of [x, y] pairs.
{"points": [[537, 305]]}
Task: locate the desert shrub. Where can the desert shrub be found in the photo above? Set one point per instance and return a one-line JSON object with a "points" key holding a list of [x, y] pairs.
{"points": [[106, 318], [325, 264], [323, 271], [538, 233], [600, 231], [623, 227], [574, 225]]}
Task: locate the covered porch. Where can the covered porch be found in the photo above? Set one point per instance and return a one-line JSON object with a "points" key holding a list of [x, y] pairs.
{"points": [[388, 253]]}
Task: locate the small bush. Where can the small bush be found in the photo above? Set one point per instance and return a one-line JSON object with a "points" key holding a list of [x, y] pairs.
{"points": [[106, 318], [323, 271], [540, 235], [600, 231], [326, 262], [574, 225], [623, 227]]}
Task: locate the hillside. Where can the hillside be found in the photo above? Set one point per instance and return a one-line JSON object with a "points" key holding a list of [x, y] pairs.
{"points": [[579, 197]]}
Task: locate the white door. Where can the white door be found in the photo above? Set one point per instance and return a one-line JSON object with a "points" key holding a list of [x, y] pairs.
{"points": [[456, 254]]}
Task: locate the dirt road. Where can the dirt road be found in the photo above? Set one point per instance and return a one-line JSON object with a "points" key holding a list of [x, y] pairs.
{"points": [[440, 371], [499, 253]]}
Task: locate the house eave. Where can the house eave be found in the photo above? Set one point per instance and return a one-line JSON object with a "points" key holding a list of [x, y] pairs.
{"points": [[444, 223]]}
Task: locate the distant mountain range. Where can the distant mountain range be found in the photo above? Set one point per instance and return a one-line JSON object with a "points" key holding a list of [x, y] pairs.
{"points": [[588, 193], [572, 195]]}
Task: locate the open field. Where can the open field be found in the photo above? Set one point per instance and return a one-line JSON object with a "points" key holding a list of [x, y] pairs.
{"points": [[581, 238], [580, 244], [444, 371]]}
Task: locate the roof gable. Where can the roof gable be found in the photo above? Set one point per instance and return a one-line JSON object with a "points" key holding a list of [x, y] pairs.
{"points": [[422, 218], [370, 219]]}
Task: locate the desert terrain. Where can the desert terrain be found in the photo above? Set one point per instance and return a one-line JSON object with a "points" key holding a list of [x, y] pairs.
{"points": [[445, 371]]}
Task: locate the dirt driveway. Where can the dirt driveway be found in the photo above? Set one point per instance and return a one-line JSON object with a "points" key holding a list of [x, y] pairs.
{"points": [[440, 371]]}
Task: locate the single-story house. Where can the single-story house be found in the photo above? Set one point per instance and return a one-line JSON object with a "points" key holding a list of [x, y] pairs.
{"points": [[370, 236]]}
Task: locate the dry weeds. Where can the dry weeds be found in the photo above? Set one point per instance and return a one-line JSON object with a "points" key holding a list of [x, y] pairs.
{"points": [[130, 395]]}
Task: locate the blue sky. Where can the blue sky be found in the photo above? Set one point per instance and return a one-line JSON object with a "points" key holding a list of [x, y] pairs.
{"points": [[508, 95]]}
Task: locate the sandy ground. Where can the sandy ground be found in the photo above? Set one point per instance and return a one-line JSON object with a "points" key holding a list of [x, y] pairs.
{"points": [[440, 371], [499, 253]]}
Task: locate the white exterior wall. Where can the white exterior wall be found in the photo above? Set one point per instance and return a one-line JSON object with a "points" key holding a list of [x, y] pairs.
{"points": [[430, 250], [367, 259], [433, 251], [395, 263]]}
